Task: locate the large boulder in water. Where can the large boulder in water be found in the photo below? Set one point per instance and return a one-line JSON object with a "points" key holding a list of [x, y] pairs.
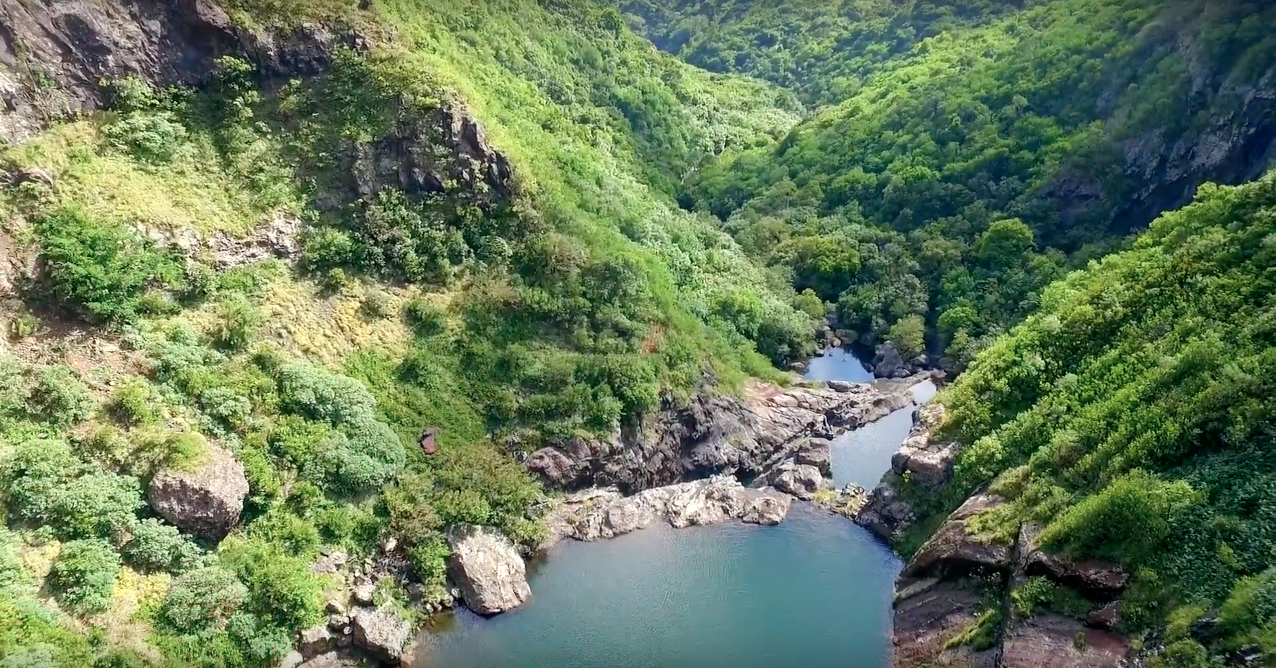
{"points": [[800, 480], [205, 500], [488, 569], [888, 363]]}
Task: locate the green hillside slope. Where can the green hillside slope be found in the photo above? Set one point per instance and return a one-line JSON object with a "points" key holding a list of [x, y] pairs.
{"points": [[530, 272], [1132, 416], [1076, 120]]}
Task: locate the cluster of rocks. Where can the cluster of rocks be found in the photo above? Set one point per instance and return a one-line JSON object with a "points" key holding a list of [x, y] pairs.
{"points": [[605, 513], [348, 636], [971, 559], [921, 458], [278, 236], [945, 586], [744, 436]]}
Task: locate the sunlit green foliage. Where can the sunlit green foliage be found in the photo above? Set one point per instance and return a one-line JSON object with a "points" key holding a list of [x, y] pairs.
{"points": [[1134, 414]]}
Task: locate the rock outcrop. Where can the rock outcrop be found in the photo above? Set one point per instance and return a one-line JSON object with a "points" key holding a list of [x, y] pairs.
{"points": [[923, 460], [380, 633], [55, 56], [715, 434], [488, 569], [205, 501], [605, 513], [956, 547], [801, 480], [888, 363], [847, 502], [961, 580]]}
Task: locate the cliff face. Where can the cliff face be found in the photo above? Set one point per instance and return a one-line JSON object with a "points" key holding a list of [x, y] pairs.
{"points": [[56, 54], [1222, 130], [718, 434]]}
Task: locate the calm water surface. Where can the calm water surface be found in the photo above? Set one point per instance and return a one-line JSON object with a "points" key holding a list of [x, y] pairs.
{"points": [[813, 591]]}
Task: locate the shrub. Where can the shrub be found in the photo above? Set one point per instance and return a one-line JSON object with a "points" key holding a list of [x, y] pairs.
{"points": [[97, 269], [282, 589], [84, 575], [59, 396], [424, 317], [134, 403], [150, 137], [362, 456], [323, 395], [1249, 613], [161, 547], [377, 304], [909, 334], [202, 599], [237, 324], [327, 248], [49, 485], [1125, 521]]}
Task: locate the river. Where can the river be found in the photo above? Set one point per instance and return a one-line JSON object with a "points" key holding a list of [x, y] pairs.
{"points": [[813, 591]]}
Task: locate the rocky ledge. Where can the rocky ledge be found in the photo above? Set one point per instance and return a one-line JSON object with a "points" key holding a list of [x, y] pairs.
{"points": [[952, 599], [605, 513], [716, 434]]}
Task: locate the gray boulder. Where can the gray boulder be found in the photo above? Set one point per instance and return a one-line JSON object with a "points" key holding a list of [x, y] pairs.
{"points": [[817, 452], [800, 480], [380, 633], [205, 501], [887, 362], [489, 570]]}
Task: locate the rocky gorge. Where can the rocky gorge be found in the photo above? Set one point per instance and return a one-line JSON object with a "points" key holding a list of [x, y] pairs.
{"points": [[959, 599]]}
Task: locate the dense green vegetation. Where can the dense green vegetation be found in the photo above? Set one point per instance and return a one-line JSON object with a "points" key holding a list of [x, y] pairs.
{"points": [[1132, 416], [969, 153], [574, 298]]}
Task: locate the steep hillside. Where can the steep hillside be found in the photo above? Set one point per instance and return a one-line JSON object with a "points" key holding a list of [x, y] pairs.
{"points": [[276, 242], [821, 50], [965, 171], [1118, 447]]}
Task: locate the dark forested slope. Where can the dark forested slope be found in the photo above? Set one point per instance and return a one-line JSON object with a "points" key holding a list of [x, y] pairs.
{"points": [[971, 165]]}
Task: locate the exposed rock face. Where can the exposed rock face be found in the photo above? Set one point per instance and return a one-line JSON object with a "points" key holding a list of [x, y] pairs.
{"points": [[205, 501], [930, 613], [380, 633], [55, 55], [1052, 641], [716, 434], [488, 569], [604, 513], [1236, 144], [1098, 580], [817, 452], [927, 461], [885, 513], [956, 547]]}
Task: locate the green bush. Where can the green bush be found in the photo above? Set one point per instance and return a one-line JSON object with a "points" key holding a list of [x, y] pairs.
{"points": [[202, 599], [908, 335], [1127, 520], [135, 403], [424, 317], [323, 395], [327, 248], [59, 396], [282, 589], [83, 576], [361, 456], [100, 270], [154, 137], [50, 486], [160, 547], [237, 324], [1248, 615]]}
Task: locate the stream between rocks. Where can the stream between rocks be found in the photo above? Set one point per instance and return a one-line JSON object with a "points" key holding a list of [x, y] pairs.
{"points": [[813, 591]]}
